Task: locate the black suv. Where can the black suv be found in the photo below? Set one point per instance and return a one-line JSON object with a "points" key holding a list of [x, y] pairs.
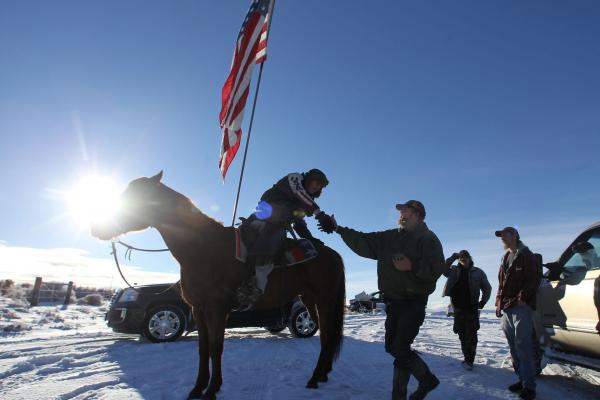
{"points": [[159, 313]]}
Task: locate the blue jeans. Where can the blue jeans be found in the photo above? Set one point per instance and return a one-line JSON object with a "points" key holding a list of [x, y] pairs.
{"points": [[517, 325]]}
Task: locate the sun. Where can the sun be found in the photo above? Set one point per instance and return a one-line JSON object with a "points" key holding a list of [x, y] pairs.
{"points": [[95, 199]]}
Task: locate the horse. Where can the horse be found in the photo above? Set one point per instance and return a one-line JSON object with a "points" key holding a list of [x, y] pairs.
{"points": [[210, 276]]}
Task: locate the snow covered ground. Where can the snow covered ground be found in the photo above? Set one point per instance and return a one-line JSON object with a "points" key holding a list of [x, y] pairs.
{"points": [[54, 353]]}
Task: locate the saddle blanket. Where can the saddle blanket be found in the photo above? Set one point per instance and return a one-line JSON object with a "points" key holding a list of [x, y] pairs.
{"points": [[297, 251]]}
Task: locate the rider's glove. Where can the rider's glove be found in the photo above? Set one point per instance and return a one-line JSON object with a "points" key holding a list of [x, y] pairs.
{"points": [[325, 223]]}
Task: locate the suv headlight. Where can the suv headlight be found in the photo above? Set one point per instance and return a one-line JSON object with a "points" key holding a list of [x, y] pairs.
{"points": [[128, 295]]}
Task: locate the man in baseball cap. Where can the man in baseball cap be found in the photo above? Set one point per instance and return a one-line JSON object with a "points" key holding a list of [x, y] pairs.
{"points": [[409, 262], [415, 205], [518, 280], [508, 229]]}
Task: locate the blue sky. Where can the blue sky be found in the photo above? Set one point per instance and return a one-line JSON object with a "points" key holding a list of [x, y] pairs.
{"points": [[487, 112]]}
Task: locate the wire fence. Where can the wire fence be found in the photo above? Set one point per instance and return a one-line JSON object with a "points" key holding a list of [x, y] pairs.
{"points": [[51, 292]]}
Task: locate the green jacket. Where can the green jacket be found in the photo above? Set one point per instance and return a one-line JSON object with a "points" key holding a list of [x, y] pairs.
{"points": [[421, 246]]}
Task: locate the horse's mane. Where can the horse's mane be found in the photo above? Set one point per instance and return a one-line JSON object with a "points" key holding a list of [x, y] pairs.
{"points": [[196, 217]]}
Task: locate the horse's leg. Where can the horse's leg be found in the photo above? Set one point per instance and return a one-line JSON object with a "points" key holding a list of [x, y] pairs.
{"points": [[324, 311], [216, 335], [327, 342], [203, 372], [331, 321]]}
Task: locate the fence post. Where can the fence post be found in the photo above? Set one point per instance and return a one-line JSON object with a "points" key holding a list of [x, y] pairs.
{"points": [[69, 291], [35, 294]]}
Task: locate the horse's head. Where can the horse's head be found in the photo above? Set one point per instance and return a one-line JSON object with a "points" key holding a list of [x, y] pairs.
{"points": [[139, 208]]}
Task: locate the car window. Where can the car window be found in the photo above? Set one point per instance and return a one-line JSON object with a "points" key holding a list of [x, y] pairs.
{"points": [[589, 259]]}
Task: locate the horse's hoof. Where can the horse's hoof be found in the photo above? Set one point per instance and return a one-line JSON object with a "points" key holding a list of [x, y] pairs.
{"points": [[209, 396], [312, 384], [323, 378]]}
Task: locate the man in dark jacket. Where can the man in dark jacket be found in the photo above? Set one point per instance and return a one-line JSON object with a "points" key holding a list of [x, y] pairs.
{"points": [[409, 262], [285, 204], [465, 282], [518, 282]]}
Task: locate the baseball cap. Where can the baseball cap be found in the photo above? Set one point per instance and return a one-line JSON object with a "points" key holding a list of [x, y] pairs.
{"points": [[464, 253], [415, 205], [509, 229]]}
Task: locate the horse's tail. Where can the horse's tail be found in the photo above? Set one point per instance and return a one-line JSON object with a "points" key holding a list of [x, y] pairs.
{"points": [[339, 308]]}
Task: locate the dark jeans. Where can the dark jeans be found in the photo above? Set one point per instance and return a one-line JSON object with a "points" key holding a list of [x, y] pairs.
{"points": [[466, 325], [269, 240], [404, 319], [402, 324]]}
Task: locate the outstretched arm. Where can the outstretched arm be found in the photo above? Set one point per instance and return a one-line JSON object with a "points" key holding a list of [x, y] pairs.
{"points": [[364, 244]]}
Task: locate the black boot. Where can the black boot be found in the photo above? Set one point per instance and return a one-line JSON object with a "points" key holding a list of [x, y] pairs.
{"points": [[516, 387], [427, 380], [425, 387], [400, 383], [527, 394]]}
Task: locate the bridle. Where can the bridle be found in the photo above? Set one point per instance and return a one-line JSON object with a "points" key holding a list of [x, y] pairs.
{"points": [[130, 249], [128, 256]]}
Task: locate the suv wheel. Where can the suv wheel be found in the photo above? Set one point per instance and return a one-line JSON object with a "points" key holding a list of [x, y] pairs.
{"points": [[301, 324], [164, 324]]}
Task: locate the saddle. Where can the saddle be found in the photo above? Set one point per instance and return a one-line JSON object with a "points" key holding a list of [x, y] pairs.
{"points": [[295, 251]]}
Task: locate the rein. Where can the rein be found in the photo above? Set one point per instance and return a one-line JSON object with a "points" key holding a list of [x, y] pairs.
{"points": [[128, 256]]}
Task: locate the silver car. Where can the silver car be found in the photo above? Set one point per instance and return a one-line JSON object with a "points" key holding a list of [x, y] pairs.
{"points": [[569, 297]]}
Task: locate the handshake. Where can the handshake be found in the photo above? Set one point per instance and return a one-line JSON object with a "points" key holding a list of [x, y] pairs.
{"points": [[326, 223]]}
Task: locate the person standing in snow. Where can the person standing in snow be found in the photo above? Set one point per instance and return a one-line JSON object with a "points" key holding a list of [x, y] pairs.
{"points": [[465, 283], [518, 282], [409, 262]]}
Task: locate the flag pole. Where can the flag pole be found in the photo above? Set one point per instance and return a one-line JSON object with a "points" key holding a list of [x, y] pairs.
{"points": [[237, 197]]}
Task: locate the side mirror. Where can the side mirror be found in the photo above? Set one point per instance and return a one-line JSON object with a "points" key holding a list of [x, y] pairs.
{"points": [[554, 271], [573, 276]]}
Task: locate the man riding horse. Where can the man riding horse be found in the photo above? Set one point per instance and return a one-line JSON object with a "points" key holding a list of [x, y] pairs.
{"points": [[283, 206]]}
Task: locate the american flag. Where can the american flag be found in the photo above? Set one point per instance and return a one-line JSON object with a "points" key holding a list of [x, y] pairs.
{"points": [[250, 49]]}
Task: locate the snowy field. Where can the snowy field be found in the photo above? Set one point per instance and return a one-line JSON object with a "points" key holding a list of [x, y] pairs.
{"points": [[55, 353]]}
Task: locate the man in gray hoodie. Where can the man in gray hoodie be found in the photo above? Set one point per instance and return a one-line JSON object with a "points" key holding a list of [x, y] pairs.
{"points": [[465, 283]]}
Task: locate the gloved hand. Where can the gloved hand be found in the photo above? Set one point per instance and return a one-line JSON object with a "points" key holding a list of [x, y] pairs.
{"points": [[325, 222], [455, 256], [481, 305]]}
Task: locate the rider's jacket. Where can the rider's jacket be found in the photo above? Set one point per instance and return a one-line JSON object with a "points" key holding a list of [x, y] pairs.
{"points": [[290, 202], [290, 193]]}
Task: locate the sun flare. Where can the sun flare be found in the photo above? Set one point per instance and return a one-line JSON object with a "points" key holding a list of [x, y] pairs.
{"points": [[95, 199]]}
